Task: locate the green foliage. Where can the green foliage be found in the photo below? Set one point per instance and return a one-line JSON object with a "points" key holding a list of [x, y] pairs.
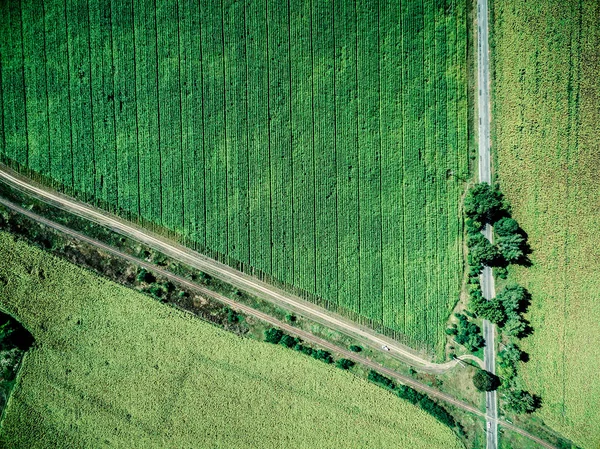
{"points": [[485, 381], [355, 348], [289, 341], [468, 334], [508, 361], [482, 251], [491, 310], [381, 380], [511, 247], [506, 226], [483, 203], [273, 335], [520, 401], [344, 364], [145, 276]]}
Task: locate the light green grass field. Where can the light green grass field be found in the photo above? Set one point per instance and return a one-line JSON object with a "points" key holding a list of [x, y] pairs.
{"points": [[547, 138], [322, 143], [114, 368]]}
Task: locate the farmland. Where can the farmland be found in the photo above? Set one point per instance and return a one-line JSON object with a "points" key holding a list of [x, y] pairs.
{"points": [[547, 135], [321, 144], [115, 366]]}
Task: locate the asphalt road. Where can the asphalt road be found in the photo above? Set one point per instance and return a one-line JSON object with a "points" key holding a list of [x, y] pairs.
{"points": [[487, 278], [306, 336]]}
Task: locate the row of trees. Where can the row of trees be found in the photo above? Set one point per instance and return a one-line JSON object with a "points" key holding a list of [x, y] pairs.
{"points": [[413, 396], [485, 205], [277, 336]]}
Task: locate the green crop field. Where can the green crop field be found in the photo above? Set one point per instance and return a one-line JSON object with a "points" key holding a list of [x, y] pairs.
{"points": [[322, 143], [547, 140], [111, 367]]}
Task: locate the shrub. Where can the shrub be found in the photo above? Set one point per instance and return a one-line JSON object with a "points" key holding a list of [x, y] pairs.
{"points": [[355, 348], [381, 380], [345, 364], [273, 335], [289, 341]]}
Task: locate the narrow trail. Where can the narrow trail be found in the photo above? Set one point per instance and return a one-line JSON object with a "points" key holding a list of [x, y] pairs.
{"points": [[242, 281], [306, 336]]}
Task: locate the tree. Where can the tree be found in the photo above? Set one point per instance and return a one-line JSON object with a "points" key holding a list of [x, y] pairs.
{"points": [[483, 203], [520, 402], [481, 250], [289, 341], [473, 226], [506, 226], [508, 360], [273, 335], [511, 247], [355, 348], [514, 326], [468, 334], [491, 310], [513, 298], [345, 364], [485, 381]]}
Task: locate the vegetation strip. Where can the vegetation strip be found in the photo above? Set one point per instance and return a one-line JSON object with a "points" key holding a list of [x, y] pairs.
{"points": [[350, 355]]}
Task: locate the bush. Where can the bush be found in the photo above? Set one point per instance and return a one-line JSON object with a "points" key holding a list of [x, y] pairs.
{"points": [[273, 335], [408, 393], [289, 341], [322, 355], [381, 380], [345, 364], [355, 348], [485, 381]]}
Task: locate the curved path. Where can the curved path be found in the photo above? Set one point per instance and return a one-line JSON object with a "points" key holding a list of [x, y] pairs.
{"points": [[242, 281], [306, 336]]}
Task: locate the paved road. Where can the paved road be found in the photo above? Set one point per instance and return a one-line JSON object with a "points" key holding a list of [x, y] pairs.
{"points": [[487, 278], [306, 336], [242, 281]]}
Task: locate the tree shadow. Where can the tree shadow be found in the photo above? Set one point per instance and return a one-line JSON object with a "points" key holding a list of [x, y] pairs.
{"points": [[13, 334]]}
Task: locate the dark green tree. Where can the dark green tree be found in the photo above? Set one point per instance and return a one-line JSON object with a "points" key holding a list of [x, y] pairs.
{"points": [[355, 348], [508, 361], [511, 247], [273, 335], [481, 250], [506, 226], [483, 203], [485, 381], [345, 364], [520, 402], [491, 310]]}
